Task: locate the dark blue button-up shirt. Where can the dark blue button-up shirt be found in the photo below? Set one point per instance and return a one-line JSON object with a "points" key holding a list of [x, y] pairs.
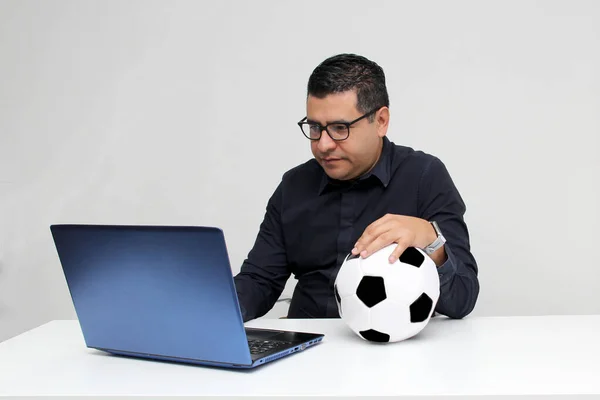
{"points": [[312, 222]]}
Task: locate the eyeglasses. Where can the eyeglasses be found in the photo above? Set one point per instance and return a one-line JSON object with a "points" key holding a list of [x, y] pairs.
{"points": [[336, 130]]}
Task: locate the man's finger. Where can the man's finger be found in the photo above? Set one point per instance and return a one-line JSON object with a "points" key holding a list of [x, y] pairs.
{"points": [[379, 243], [368, 236], [402, 245]]}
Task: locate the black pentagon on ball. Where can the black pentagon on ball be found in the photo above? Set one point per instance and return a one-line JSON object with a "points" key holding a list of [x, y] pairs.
{"points": [[371, 290], [375, 336], [412, 256], [420, 308]]}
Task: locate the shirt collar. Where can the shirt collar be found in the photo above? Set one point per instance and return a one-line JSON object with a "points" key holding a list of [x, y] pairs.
{"points": [[381, 171]]}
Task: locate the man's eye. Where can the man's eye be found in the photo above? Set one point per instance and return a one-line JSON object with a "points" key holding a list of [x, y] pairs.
{"points": [[339, 128]]}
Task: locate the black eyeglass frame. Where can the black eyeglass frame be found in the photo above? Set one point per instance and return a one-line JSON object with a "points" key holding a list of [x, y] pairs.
{"points": [[321, 127]]}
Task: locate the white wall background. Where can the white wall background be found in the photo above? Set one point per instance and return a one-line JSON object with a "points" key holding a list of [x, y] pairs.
{"points": [[184, 112]]}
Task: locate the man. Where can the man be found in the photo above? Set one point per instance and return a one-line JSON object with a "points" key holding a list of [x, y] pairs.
{"points": [[360, 193]]}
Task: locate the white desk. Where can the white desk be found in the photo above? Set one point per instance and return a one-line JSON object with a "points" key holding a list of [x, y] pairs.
{"points": [[475, 356]]}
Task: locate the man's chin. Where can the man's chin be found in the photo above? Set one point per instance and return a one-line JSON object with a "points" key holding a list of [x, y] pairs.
{"points": [[335, 170], [336, 174]]}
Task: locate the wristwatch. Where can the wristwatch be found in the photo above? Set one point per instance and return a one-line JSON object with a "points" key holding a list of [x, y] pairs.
{"points": [[438, 242]]}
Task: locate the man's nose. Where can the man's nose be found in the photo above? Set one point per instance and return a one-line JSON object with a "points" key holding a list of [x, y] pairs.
{"points": [[326, 143]]}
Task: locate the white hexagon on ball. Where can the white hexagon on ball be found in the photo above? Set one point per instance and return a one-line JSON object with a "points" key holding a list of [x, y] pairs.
{"points": [[356, 314], [383, 302], [395, 328]]}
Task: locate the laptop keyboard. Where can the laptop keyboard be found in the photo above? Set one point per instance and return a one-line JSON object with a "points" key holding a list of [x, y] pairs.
{"points": [[263, 346]]}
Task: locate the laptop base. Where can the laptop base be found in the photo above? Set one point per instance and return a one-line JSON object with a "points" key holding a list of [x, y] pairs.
{"points": [[258, 359]]}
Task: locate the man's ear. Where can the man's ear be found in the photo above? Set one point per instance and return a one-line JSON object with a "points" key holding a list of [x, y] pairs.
{"points": [[382, 119]]}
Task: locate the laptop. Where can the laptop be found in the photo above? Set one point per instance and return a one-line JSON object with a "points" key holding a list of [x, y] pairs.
{"points": [[164, 293]]}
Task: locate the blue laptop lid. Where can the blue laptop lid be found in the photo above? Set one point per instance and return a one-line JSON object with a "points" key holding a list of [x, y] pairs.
{"points": [[154, 290]]}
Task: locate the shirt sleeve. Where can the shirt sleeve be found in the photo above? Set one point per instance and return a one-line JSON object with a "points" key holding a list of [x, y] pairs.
{"points": [[264, 272], [440, 201]]}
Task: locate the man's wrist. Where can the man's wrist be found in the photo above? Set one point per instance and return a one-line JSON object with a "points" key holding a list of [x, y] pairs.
{"points": [[432, 233], [438, 256]]}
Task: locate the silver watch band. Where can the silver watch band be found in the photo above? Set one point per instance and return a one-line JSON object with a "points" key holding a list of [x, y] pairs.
{"points": [[438, 242]]}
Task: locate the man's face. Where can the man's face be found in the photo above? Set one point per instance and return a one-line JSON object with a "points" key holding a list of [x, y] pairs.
{"points": [[352, 157]]}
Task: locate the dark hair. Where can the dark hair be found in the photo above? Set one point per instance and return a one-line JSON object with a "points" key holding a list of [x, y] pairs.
{"points": [[345, 72]]}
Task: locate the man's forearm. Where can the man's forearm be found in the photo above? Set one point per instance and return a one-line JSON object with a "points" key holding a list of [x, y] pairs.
{"points": [[459, 288], [258, 289]]}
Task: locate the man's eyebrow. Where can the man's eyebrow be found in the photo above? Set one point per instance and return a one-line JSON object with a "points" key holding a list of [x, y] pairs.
{"points": [[339, 121]]}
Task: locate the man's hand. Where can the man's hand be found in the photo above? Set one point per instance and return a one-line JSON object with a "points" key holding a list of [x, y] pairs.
{"points": [[404, 230]]}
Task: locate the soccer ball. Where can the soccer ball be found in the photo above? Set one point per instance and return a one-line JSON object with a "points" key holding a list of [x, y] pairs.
{"points": [[383, 302]]}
